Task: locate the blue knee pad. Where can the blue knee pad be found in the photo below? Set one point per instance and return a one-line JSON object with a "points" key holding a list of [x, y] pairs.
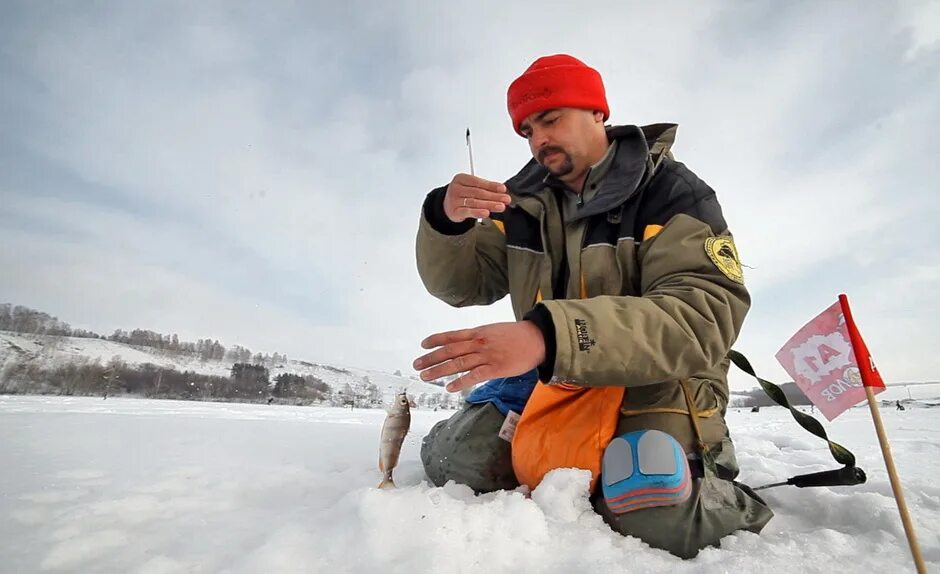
{"points": [[644, 469]]}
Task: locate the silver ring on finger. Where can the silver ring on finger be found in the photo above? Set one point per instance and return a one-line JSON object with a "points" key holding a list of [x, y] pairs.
{"points": [[465, 201]]}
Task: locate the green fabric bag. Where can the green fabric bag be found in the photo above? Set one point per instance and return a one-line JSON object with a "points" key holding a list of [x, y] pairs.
{"points": [[467, 449]]}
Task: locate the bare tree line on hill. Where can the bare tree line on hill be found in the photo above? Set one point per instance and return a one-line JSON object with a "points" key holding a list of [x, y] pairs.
{"points": [[23, 320], [756, 397], [246, 382], [249, 379]]}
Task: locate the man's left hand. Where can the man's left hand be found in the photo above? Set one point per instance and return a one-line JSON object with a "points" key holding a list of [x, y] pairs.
{"points": [[483, 353]]}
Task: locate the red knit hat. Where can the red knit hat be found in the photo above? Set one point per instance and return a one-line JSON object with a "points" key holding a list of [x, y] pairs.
{"points": [[558, 81]]}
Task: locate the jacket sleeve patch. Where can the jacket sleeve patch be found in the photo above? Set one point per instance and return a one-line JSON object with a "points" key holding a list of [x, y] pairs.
{"points": [[724, 255], [585, 339]]}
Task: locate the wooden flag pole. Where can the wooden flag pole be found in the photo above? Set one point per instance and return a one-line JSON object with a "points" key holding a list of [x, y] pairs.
{"points": [[895, 483]]}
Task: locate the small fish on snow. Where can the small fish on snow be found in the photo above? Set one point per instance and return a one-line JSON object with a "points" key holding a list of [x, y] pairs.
{"points": [[394, 430]]}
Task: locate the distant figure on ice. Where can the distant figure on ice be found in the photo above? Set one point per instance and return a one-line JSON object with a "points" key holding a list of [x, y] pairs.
{"points": [[900, 407], [623, 277]]}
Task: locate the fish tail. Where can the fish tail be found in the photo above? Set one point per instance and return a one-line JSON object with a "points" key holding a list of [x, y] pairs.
{"points": [[387, 481]]}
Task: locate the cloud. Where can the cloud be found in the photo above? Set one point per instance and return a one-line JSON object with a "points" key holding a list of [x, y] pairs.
{"points": [[255, 173]]}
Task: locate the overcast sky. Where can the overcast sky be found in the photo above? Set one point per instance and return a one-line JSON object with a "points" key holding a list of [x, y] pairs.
{"points": [[254, 173]]}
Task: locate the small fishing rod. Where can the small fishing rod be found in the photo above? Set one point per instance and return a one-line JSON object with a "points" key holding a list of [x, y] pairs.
{"points": [[470, 151]]}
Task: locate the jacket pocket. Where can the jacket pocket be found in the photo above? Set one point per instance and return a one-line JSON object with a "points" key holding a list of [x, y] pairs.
{"points": [[662, 406]]}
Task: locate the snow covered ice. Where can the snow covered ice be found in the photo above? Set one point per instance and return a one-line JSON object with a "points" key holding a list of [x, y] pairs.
{"points": [[146, 486]]}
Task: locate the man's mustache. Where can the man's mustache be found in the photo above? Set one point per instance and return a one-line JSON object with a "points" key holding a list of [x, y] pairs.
{"points": [[548, 150]]}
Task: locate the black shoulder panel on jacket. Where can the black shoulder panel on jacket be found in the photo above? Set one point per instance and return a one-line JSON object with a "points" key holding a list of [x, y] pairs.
{"points": [[674, 189], [523, 231]]}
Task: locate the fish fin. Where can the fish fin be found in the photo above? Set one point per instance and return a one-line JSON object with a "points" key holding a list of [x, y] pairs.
{"points": [[387, 482], [381, 466]]}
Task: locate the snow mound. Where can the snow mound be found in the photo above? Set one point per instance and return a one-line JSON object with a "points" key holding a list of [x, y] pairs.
{"points": [[563, 494]]}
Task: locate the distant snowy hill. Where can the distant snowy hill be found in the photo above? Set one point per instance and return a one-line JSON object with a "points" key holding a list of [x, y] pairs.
{"points": [[50, 351]]}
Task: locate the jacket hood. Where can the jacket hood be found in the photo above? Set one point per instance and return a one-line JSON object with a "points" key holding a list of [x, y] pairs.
{"points": [[637, 148]]}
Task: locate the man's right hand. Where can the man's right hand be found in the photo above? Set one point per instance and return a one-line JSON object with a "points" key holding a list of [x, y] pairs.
{"points": [[470, 196]]}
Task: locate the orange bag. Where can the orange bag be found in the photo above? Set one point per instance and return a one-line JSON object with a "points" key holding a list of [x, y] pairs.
{"points": [[564, 426]]}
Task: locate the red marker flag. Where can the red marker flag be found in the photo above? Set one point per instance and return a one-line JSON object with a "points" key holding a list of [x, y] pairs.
{"points": [[829, 361]]}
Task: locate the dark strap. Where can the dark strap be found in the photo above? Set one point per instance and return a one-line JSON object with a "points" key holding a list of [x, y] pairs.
{"points": [[839, 452], [698, 470]]}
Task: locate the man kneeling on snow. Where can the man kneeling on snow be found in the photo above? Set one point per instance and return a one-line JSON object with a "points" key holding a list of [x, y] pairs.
{"points": [[628, 294]]}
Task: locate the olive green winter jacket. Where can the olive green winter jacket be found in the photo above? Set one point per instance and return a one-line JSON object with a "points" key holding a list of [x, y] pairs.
{"points": [[639, 287]]}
